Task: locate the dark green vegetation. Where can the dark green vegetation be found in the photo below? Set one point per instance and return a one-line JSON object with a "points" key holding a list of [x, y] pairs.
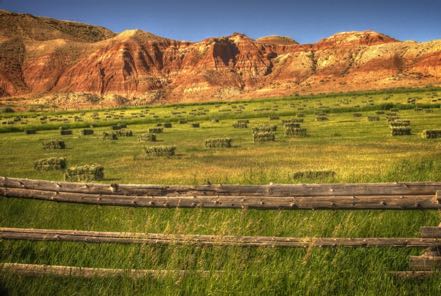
{"points": [[356, 148]]}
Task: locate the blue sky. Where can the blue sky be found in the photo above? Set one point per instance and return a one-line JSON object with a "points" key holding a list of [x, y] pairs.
{"points": [[305, 21]]}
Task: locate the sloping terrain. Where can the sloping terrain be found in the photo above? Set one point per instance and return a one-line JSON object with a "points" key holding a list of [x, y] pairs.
{"points": [[68, 63]]}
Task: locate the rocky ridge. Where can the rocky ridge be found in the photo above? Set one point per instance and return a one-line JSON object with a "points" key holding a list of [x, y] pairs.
{"points": [[62, 62]]}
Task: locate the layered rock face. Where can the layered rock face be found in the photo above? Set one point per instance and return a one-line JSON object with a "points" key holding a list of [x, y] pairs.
{"points": [[61, 62]]}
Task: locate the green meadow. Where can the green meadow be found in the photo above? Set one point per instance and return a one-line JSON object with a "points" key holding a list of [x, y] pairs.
{"points": [[348, 144]]}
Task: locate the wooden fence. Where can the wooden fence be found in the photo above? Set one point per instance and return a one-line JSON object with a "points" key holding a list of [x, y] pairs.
{"points": [[424, 195], [211, 240], [394, 196], [429, 262], [425, 265], [90, 272]]}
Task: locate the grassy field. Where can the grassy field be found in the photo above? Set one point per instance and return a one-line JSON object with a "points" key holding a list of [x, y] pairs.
{"points": [[356, 149]]}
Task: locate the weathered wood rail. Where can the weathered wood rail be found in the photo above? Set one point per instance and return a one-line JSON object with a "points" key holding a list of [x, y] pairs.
{"points": [[429, 262], [90, 272], [426, 195], [210, 240]]}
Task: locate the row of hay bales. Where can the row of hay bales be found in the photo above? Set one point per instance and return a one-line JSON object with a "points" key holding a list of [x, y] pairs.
{"points": [[263, 133], [402, 127], [64, 131], [82, 173], [266, 133], [120, 115], [113, 135]]}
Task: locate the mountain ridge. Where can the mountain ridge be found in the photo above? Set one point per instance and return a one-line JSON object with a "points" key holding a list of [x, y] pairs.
{"points": [[67, 63]]}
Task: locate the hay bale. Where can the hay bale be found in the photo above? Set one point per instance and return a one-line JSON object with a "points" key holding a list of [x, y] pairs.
{"points": [[156, 130], [195, 125], [161, 150], [373, 118], [52, 163], [110, 136], [357, 114], [30, 131], [87, 132], [260, 137], [218, 143], [240, 124], [54, 144], [147, 137], [124, 133], [291, 125], [431, 134], [401, 131], [313, 174], [84, 173], [295, 132], [65, 132], [182, 121], [265, 128], [274, 117], [167, 124], [321, 118], [119, 126]]}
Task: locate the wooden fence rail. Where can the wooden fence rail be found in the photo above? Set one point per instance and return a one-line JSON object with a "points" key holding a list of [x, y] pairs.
{"points": [[209, 240], [313, 196], [90, 272]]}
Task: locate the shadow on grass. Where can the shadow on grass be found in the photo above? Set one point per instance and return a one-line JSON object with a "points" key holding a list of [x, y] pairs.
{"points": [[3, 290]]}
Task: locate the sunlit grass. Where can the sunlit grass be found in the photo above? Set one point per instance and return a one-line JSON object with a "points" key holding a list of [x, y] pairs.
{"points": [[357, 150]]}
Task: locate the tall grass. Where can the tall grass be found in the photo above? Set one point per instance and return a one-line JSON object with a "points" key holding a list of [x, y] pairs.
{"points": [[357, 150]]}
